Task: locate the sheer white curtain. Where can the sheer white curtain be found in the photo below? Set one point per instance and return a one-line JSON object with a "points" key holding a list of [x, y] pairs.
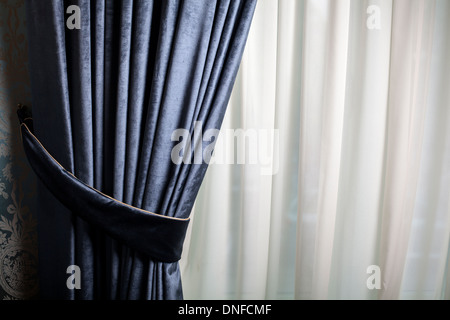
{"points": [[344, 107]]}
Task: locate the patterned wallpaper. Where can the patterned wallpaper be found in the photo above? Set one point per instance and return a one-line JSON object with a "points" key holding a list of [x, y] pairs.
{"points": [[18, 234]]}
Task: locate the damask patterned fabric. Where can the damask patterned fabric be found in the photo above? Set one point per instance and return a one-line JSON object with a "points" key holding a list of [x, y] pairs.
{"points": [[18, 235]]}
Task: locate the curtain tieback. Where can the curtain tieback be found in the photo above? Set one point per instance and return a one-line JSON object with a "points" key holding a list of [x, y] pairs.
{"points": [[160, 237]]}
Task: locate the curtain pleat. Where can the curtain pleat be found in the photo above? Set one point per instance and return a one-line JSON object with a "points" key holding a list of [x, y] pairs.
{"points": [[407, 110]]}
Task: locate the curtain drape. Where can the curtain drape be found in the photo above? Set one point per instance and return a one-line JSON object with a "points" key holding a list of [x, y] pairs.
{"points": [[106, 99], [360, 174]]}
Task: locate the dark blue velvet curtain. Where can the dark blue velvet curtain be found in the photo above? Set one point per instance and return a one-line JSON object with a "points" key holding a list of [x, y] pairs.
{"points": [[106, 99]]}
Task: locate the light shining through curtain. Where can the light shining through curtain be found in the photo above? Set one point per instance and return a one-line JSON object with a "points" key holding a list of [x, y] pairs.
{"points": [[347, 105]]}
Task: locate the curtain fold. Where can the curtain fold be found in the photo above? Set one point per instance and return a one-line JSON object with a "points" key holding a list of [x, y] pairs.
{"points": [[106, 100]]}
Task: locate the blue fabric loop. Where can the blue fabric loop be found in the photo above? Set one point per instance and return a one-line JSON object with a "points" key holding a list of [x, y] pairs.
{"points": [[160, 237]]}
